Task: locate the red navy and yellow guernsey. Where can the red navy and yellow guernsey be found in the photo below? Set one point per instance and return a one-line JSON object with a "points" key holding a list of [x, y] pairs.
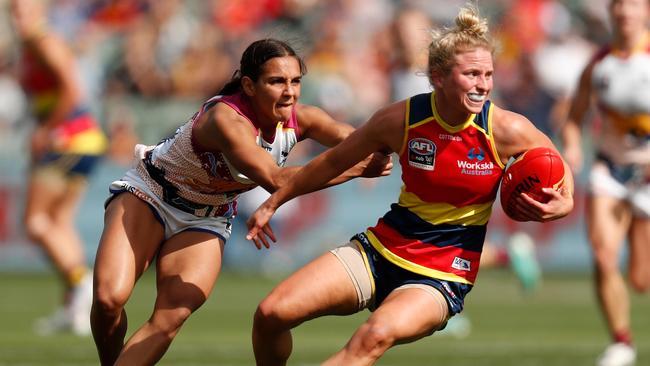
{"points": [[450, 176], [79, 133]]}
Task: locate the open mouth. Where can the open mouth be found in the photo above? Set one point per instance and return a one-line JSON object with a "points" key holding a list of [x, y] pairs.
{"points": [[284, 105]]}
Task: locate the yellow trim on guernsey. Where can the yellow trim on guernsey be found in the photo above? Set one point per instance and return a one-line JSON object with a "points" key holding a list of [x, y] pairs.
{"points": [[366, 263], [413, 267], [444, 213], [90, 142], [490, 135]]}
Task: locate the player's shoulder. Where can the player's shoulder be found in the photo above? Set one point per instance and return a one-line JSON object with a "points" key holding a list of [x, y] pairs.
{"points": [[508, 126], [306, 111], [222, 115], [602, 52], [390, 117], [503, 118]]}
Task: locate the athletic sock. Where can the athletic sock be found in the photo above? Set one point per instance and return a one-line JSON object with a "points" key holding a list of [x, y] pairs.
{"points": [[502, 257], [75, 276], [624, 336]]}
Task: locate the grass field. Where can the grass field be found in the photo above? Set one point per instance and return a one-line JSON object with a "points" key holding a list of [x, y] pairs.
{"points": [[558, 325]]}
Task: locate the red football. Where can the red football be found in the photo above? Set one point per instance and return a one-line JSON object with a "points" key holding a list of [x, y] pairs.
{"points": [[533, 170]]}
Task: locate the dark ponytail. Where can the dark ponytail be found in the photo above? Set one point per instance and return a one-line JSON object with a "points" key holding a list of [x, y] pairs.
{"points": [[233, 86], [254, 57]]}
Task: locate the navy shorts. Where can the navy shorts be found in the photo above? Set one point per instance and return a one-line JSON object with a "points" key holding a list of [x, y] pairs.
{"points": [[68, 164], [388, 276]]}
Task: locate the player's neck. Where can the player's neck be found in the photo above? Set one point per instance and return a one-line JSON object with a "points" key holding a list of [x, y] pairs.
{"points": [[632, 43]]}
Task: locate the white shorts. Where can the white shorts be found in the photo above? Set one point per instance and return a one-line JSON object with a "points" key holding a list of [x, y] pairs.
{"points": [[173, 219], [635, 191]]}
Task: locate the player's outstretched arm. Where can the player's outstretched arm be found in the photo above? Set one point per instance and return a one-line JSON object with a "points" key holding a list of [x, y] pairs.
{"points": [[382, 134]]}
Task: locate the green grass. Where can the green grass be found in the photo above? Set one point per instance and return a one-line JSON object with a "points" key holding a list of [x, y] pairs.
{"points": [[558, 325]]}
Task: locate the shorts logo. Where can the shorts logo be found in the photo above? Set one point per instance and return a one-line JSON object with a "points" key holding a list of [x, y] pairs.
{"points": [[422, 153], [461, 264]]}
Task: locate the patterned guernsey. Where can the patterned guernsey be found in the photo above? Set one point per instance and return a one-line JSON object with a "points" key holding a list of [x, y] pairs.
{"points": [[622, 85], [205, 183], [451, 175]]}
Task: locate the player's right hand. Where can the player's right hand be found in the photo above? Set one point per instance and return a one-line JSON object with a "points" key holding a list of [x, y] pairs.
{"points": [[259, 230]]}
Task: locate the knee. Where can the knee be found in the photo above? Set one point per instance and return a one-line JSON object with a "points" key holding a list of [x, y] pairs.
{"points": [[37, 225], [172, 309], [640, 281], [108, 299], [268, 316], [605, 260], [376, 338], [170, 321]]}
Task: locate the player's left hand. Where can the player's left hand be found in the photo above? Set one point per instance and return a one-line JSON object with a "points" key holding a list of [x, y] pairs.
{"points": [[259, 229], [559, 205]]}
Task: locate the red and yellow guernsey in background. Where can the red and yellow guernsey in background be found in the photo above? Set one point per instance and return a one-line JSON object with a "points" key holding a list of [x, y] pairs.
{"points": [[451, 176], [79, 133]]}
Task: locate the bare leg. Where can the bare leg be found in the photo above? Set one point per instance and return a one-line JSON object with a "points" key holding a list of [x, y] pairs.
{"points": [[320, 288], [130, 239], [187, 269], [405, 315], [52, 202], [492, 256], [640, 254], [608, 220]]}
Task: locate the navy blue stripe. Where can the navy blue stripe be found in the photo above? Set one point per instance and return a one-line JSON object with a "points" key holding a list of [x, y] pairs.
{"points": [[78, 112], [481, 119], [388, 276], [207, 231], [83, 166], [411, 226], [420, 108], [621, 173]]}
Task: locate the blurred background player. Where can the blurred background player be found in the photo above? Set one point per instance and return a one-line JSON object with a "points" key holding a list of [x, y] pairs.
{"points": [[65, 145], [414, 268], [618, 206]]}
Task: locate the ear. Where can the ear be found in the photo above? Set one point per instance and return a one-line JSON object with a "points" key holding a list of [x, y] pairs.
{"points": [[436, 79], [248, 86]]}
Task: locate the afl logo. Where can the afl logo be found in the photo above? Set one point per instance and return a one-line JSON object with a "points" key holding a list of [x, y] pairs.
{"points": [[422, 154], [422, 146]]}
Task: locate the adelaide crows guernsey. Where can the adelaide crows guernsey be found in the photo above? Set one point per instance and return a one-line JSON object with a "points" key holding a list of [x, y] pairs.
{"points": [[79, 133], [450, 178]]}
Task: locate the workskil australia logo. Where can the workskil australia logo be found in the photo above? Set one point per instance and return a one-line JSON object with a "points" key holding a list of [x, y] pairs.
{"points": [[422, 153], [474, 165]]}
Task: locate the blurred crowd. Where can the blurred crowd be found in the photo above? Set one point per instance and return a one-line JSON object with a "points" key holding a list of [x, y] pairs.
{"points": [[147, 64], [360, 54]]}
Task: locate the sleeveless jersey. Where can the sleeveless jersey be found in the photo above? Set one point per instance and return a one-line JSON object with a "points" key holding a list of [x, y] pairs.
{"points": [[79, 133], [450, 177], [622, 87], [207, 177], [39, 83]]}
